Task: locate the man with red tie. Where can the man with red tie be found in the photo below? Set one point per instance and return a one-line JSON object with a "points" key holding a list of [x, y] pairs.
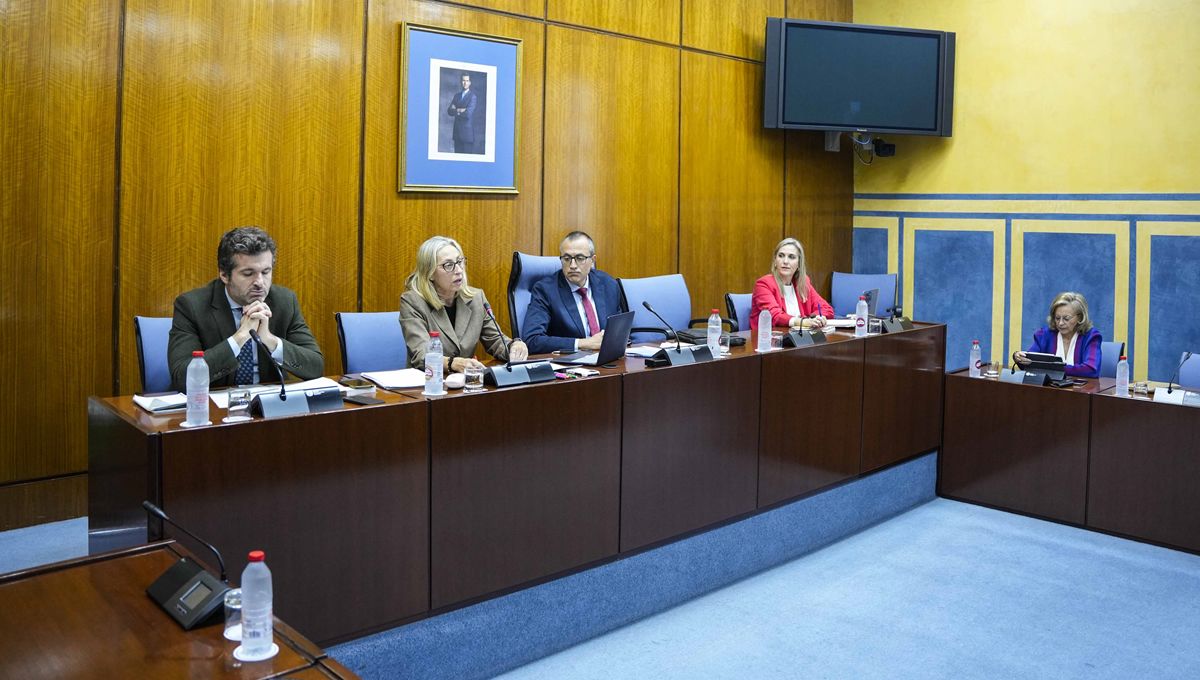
{"points": [[568, 310]]}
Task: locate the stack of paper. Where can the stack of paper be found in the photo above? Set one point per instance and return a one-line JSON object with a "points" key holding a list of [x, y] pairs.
{"points": [[402, 379], [162, 403]]}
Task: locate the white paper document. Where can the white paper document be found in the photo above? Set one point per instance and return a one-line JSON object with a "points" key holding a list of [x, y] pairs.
{"points": [[402, 379], [163, 403]]}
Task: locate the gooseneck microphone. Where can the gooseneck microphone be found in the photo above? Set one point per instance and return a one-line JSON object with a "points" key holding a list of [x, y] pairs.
{"points": [[157, 512], [507, 347], [278, 365], [667, 326], [1175, 378]]}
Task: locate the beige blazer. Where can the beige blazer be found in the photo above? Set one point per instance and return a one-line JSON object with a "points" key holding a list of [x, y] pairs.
{"points": [[471, 325]]}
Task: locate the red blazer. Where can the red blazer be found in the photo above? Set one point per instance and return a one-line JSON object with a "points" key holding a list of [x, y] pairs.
{"points": [[767, 296]]}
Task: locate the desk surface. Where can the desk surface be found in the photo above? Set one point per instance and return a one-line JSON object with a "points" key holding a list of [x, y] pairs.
{"points": [[91, 618]]}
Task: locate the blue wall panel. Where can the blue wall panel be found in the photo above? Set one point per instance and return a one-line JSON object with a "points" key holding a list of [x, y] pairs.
{"points": [[952, 284], [1174, 284], [1056, 262], [870, 251]]}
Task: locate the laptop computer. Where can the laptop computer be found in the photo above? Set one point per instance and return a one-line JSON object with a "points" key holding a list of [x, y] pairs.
{"points": [[612, 347], [872, 297]]}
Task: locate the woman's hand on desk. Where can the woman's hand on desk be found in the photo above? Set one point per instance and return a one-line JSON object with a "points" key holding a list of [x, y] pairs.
{"points": [[460, 364]]}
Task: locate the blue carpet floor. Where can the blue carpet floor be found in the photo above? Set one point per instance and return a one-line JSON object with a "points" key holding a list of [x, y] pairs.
{"points": [[947, 590], [43, 544]]}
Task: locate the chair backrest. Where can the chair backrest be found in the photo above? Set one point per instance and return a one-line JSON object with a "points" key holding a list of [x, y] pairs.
{"points": [[151, 333], [737, 305], [1110, 354], [669, 296], [371, 341], [1189, 371], [847, 287], [526, 270]]}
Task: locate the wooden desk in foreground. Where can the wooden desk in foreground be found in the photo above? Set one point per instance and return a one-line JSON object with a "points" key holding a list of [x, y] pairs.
{"points": [[91, 618]]}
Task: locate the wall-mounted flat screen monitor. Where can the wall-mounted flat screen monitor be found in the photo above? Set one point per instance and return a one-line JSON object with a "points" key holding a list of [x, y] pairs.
{"points": [[832, 76]]}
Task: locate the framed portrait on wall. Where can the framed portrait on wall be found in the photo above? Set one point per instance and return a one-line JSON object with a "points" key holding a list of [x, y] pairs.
{"points": [[459, 98]]}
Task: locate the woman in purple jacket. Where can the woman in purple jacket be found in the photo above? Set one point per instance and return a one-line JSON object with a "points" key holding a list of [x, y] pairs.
{"points": [[1074, 339]]}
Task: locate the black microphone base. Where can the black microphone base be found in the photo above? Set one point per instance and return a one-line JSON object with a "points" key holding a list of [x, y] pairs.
{"points": [[270, 405], [900, 323], [680, 357], [804, 338], [521, 374]]}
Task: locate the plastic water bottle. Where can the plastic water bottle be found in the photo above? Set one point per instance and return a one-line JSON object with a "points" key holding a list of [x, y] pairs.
{"points": [[860, 317], [257, 624], [197, 390], [1122, 377], [433, 364], [764, 331], [976, 360], [714, 334]]}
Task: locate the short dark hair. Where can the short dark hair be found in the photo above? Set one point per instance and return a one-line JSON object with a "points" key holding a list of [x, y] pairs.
{"points": [[242, 241], [576, 235]]}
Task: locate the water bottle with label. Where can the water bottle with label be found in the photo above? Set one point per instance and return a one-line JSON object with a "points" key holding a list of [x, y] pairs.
{"points": [[197, 390], [860, 317], [764, 331], [714, 334], [433, 365], [257, 609], [976, 360], [1122, 377]]}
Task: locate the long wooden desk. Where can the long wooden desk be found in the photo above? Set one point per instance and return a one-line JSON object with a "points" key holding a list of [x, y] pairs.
{"points": [[1082, 456], [416, 505], [91, 618]]}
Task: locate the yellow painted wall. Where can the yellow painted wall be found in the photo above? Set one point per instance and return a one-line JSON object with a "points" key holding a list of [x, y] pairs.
{"points": [[1077, 96]]}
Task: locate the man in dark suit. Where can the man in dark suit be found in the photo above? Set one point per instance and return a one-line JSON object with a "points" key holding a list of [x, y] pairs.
{"points": [[569, 309], [217, 318], [462, 108]]}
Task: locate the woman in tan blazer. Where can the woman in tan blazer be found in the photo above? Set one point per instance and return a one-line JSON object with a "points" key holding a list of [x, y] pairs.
{"points": [[439, 299]]}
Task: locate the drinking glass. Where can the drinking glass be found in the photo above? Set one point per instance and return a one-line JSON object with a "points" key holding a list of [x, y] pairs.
{"points": [[776, 340], [238, 407], [993, 370], [723, 344], [233, 614], [474, 379], [874, 326]]}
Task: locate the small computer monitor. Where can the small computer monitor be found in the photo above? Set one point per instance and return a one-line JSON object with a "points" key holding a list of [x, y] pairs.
{"points": [[872, 297]]}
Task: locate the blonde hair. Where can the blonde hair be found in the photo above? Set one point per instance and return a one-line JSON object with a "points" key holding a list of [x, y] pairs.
{"points": [[421, 280], [1078, 305], [801, 267]]}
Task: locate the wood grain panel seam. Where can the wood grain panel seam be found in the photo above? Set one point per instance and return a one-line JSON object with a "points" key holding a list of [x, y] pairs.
{"points": [[613, 34], [489, 10], [116, 221], [732, 57], [362, 158], [542, 178], [47, 478]]}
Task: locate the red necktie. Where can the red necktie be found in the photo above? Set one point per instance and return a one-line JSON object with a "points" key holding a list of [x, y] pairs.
{"points": [[593, 324]]}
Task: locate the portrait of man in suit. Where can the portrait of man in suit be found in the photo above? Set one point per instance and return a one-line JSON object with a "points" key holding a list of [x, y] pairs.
{"points": [[464, 127]]}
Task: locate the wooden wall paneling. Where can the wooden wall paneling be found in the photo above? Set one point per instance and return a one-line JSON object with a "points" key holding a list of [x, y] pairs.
{"points": [[731, 180], [240, 113], [58, 61], [821, 10], [612, 149], [48, 500], [651, 19], [819, 194], [529, 8], [489, 227], [734, 28]]}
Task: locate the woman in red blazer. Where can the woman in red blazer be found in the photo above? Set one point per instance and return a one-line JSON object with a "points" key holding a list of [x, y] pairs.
{"points": [[787, 293]]}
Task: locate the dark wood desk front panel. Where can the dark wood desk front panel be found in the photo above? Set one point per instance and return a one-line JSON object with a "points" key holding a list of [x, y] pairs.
{"points": [[689, 446], [339, 501], [810, 418], [91, 618], [1017, 447], [1145, 471], [525, 484], [902, 395]]}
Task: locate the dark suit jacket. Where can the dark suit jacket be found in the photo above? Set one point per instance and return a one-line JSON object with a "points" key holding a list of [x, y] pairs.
{"points": [[203, 320], [464, 129], [459, 339], [552, 320], [1086, 363]]}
